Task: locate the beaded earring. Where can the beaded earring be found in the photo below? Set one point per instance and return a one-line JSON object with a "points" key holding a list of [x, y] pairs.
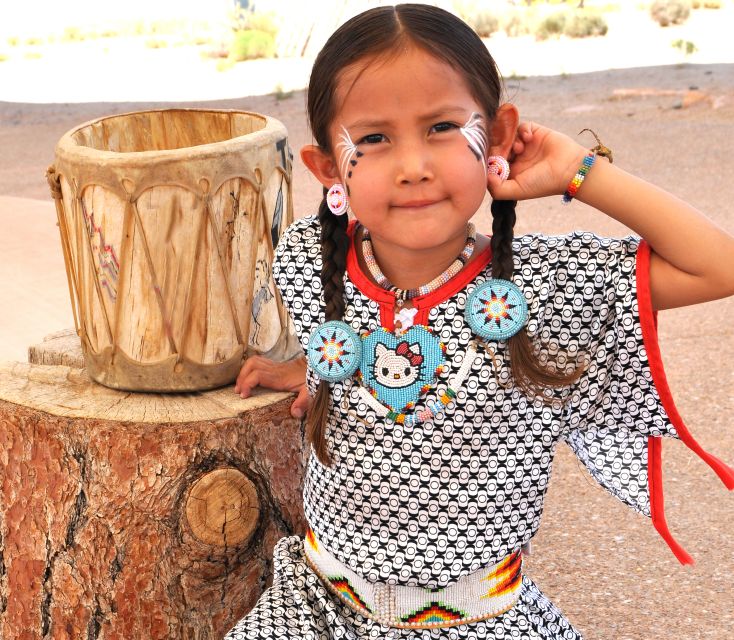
{"points": [[498, 166], [336, 199]]}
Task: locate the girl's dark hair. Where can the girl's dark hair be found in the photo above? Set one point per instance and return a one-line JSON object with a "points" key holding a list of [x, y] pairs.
{"points": [[381, 32]]}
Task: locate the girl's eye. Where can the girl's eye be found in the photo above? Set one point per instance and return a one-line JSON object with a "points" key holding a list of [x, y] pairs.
{"points": [[372, 138], [444, 126]]}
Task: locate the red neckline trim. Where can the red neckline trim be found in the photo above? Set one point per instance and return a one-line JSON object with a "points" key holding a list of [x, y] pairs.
{"points": [[648, 323], [422, 303]]}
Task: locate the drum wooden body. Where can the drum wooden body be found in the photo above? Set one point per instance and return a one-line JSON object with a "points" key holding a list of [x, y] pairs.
{"points": [[168, 223]]}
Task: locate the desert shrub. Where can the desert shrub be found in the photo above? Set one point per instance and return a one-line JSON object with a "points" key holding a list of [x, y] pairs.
{"points": [[225, 64], [156, 43], [251, 43], [73, 34], [484, 22], [550, 25], [517, 23], [684, 46], [253, 34], [667, 12], [244, 18], [262, 22], [584, 25]]}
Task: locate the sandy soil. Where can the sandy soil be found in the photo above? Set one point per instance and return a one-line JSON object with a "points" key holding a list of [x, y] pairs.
{"points": [[605, 567]]}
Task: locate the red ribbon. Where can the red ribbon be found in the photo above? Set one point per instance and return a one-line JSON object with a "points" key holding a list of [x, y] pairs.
{"points": [[404, 350]]}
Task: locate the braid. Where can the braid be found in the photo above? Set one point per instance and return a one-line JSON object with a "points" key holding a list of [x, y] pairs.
{"points": [[334, 247], [503, 231], [529, 374]]}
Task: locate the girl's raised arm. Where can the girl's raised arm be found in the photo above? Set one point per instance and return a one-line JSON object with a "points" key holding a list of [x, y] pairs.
{"points": [[692, 258]]}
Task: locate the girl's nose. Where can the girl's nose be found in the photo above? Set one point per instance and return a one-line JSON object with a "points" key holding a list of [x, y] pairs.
{"points": [[414, 164]]}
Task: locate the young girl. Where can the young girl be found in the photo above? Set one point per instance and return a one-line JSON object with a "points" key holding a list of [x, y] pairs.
{"points": [[445, 366]]}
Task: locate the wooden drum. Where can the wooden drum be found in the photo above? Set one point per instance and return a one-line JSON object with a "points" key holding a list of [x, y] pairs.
{"points": [[168, 222]]}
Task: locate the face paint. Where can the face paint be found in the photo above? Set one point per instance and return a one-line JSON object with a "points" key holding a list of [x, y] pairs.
{"points": [[348, 151], [475, 134]]}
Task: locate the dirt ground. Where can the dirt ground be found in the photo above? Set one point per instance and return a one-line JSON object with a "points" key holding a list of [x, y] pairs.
{"points": [[603, 566]]}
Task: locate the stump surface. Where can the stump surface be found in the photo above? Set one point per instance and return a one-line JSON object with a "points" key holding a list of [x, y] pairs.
{"points": [[127, 515]]}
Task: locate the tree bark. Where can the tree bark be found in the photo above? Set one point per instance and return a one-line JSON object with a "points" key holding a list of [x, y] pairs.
{"points": [[138, 516]]}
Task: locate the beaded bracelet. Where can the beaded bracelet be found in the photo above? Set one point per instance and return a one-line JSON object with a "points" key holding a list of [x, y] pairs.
{"points": [[574, 185]]}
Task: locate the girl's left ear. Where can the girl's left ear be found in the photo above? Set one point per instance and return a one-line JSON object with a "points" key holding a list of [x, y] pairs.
{"points": [[321, 164], [503, 129]]}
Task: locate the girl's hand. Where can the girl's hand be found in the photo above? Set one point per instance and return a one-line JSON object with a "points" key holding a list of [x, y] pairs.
{"points": [[542, 163], [279, 376]]}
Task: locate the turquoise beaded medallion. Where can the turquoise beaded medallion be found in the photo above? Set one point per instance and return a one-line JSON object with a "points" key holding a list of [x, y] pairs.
{"points": [[334, 351], [496, 310]]}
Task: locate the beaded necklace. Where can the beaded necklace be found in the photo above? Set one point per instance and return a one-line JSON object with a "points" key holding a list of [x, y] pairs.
{"points": [[401, 295]]}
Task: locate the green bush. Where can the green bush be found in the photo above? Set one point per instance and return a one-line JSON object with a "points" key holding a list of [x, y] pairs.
{"points": [[584, 25], [262, 22], [667, 12], [251, 43], [551, 25]]}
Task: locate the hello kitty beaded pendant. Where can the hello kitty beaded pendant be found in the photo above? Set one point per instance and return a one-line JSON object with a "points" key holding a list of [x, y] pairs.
{"points": [[399, 369]]}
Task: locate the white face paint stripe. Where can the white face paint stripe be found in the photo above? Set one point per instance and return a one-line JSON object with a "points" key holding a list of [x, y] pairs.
{"points": [[476, 136], [348, 149]]}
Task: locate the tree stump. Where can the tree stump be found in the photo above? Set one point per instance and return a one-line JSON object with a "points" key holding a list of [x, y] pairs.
{"points": [[137, 515]]}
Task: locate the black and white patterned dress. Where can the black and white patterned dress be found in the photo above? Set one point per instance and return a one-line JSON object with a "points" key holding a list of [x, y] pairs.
{"points": [[429, 504]]}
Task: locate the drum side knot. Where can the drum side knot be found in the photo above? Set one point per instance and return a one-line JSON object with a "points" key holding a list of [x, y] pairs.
{"points": [[54, 182]]}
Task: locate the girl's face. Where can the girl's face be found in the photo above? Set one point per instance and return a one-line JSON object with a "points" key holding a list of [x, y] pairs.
{"points": [[413, 179]]}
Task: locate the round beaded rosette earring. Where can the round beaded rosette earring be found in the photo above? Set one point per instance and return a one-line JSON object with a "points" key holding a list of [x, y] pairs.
{"points": [[499, 167], [336, 199]]}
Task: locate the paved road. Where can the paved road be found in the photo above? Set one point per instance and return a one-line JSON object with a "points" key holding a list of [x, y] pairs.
{"points": [[605, 567]]}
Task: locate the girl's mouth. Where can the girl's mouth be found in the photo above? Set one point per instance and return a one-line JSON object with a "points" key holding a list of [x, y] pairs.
{"points": [[415, 204]]}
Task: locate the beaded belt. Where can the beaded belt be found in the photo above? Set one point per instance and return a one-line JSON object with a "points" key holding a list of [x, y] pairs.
{"points": [[486, 593]]}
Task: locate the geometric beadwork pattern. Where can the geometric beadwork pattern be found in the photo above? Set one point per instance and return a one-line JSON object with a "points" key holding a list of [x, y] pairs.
{"points": [[427, 505], [334, 351], [486, 593], [496, 310], [341, 584], [435, 612], [298, 605]]}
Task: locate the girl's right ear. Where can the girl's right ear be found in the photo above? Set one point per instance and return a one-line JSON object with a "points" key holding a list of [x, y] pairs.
{"points": [[321, 164]]}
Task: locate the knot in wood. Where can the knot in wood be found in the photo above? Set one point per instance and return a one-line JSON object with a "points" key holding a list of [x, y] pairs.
{"points": [[222, 508]]}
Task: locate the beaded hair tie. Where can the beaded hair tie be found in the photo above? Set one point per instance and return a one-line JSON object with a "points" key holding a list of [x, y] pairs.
{"points": [[408, 294]]}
